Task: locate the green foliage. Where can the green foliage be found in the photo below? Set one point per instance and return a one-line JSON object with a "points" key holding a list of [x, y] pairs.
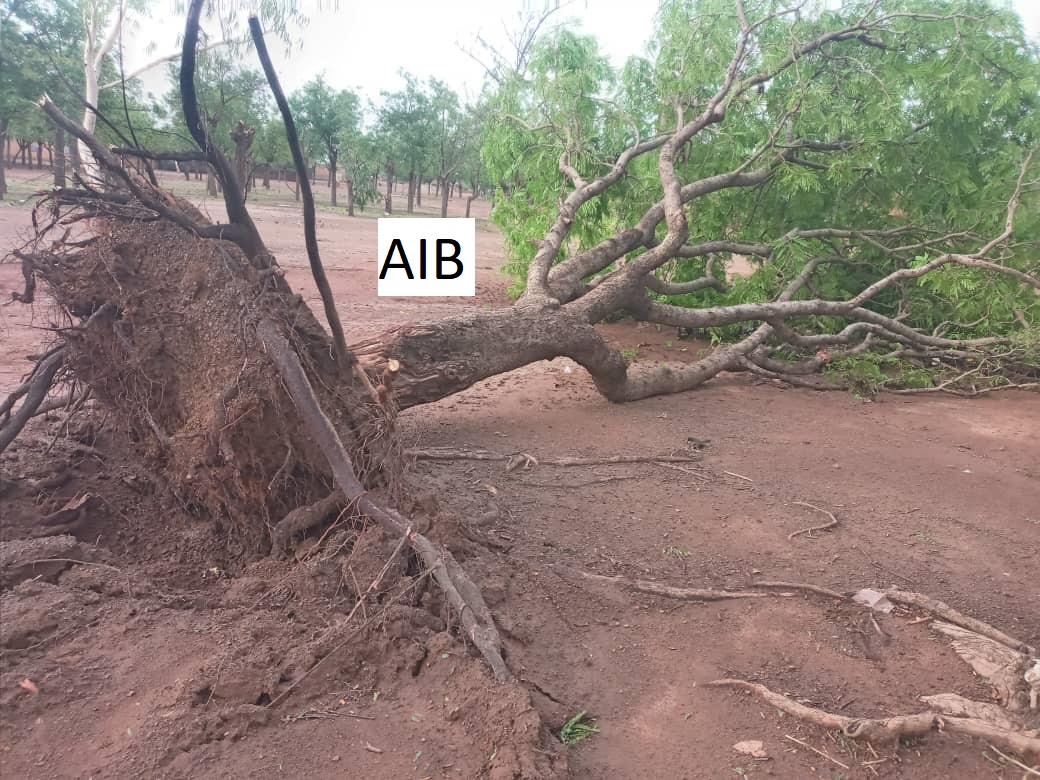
{"points": [[40, 52], [270, 146], [577, 729], [564, 97], [227, 93], [326, 117], [405, 124], [862, 373], [936, 118]]}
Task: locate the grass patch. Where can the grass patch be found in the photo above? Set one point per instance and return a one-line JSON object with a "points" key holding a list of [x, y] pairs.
{"points": [[577, 729]]}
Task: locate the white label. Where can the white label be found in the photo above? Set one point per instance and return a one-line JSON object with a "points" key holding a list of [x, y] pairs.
{"points": [[420, 256]]}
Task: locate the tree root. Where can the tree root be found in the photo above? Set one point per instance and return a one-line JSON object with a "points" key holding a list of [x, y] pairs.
{"points": [[458, 588], [874, 730], [817, 589], [810, 529], [35, 391], [683, 594], [527, 460], [303, 518], [947, 612], [882, 730]]}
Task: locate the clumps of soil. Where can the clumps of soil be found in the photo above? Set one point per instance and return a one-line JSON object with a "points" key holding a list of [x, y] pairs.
{"points": [[171, 653]]}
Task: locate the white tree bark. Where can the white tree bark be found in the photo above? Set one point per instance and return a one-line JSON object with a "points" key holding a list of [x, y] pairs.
{"points": [[95, 15]]}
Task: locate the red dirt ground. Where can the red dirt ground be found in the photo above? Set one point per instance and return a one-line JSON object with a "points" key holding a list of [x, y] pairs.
{"points": [[152, 661]]}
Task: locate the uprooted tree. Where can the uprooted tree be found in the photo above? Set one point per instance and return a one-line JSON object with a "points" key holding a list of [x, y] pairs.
{"points": [[784, 136]]}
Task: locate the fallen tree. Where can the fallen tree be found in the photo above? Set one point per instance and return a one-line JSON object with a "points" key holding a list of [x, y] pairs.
{"points": [[267, 423]]}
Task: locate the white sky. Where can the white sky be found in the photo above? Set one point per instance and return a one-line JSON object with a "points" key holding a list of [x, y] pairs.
{"points": [[349, 40]]}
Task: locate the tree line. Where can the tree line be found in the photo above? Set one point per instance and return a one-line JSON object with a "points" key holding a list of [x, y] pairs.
{"points": [[420, 134]]}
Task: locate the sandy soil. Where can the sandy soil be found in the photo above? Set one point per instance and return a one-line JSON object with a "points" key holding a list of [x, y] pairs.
{"points": [[158, 657]]}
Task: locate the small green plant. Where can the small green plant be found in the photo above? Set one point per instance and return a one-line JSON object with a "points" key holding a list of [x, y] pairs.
{"points": [[577, 729], [630, 354]]}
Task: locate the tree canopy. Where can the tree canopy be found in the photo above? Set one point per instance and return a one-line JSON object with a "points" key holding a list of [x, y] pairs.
{"points": [[916, 126]]}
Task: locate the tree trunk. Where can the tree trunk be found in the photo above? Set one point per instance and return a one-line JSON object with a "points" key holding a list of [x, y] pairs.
{"points": [[88, 166], [59, 157], [418, 190], [77, 161], [267, 177], [444, 202], [333, 157], [39, 155], [3, 157], [411, 191], [242, 136], [211, 183], [388, 202], [469, 202], [443, 357], [350, 197]]}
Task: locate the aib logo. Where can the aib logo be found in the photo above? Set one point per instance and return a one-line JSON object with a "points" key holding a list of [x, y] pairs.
{"points": [[431, 257]]}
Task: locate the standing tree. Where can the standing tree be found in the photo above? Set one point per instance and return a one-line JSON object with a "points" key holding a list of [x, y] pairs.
{"points": [[405, 122], [39, 45], [327, 117], [271, 150], [360, 163], [449, 137]]}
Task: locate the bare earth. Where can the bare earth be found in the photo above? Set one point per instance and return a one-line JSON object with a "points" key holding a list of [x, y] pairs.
{"points": [[158, 659]]}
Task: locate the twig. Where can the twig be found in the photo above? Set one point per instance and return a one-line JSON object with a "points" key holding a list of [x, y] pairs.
{"points": [[738, 476], [810, 529], [684, 594], [573, 485], [672, 466], [818, 752], [882, 730], [72, 560], [450, 454], [801, 586], [874, 730], [1029, 770]]}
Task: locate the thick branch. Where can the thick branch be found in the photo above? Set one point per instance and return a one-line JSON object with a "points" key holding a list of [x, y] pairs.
{"points": [[234, 197], [38, 387], [538, 271], [186, 156], [343, 355], [460, 591]]}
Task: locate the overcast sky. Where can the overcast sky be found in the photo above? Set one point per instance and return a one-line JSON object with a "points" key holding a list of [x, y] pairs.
{"points": [[349, 40]]}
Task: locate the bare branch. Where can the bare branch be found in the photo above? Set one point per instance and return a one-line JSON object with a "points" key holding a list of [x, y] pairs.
{"points": [[233, 190], [344, 356], [187, 156], [36, 390]]}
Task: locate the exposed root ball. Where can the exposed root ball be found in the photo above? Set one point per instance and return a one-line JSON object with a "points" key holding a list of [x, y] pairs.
{"points": [[171, 349]]}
